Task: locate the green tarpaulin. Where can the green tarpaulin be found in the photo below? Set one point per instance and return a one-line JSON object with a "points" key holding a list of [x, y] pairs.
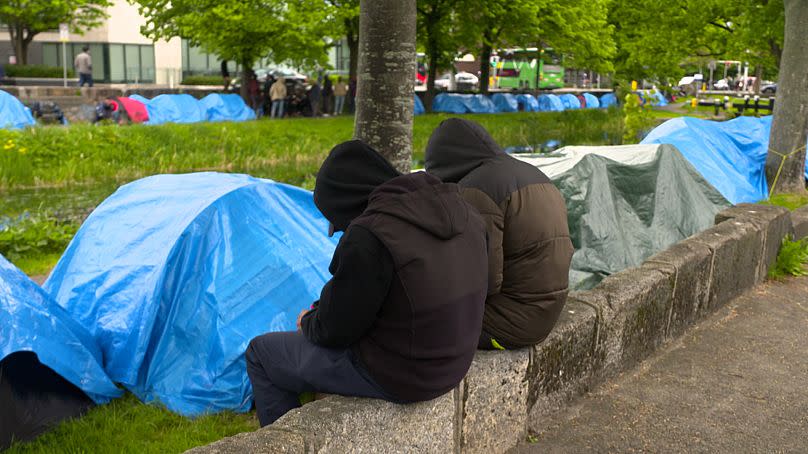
{"points": [[626, 203]]}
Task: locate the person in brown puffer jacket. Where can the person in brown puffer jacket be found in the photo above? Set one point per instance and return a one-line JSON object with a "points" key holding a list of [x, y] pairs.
{"points": [[526, 221]]}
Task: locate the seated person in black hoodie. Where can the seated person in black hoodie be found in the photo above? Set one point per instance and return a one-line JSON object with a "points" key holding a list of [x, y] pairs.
{"points": [[401, 316]]}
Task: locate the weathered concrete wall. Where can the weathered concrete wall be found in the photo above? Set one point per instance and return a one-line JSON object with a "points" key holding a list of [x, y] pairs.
{"points": [[602, 332]]}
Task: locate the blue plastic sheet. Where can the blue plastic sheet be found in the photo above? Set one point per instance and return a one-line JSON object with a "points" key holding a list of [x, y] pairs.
{"points": [[419, 106], [13, 114], [731, 155], [505, 102], [228, 107], [528, 102], [550, 103], [608, 100], [459, 104], [173, 109], [570, 101], [655, 97], [174, 274], [591, 101], [31, 321]]}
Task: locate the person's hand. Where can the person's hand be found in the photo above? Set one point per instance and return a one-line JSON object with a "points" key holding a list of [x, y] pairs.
{"points": [[300, 318]]}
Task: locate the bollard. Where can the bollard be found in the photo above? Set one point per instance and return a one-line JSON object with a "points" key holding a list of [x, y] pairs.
{"points": [[694, 102], [757, 105], [717, 105]]}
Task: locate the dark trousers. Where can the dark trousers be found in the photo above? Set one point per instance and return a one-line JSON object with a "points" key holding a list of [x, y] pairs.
{"points": [[283, 365], [85, 79]]}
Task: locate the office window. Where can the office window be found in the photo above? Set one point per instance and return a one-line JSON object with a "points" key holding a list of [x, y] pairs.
{"points": [[51, 54], [147, 63], [117, 66]]}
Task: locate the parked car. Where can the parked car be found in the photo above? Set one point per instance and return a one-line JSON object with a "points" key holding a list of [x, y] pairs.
{"points": [[769, 88], [463, 81]]}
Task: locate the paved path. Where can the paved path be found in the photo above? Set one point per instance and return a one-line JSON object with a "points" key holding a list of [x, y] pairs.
{"points": [[736, 383]]}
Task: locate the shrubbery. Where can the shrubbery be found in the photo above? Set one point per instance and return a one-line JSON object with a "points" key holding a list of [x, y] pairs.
{"points": [[50, 72], [202, 80]]}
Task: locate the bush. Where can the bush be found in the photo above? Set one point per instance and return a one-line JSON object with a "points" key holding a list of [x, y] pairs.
{"points": [[791, 259], [34, 235], [202, 80], [49, 72]]}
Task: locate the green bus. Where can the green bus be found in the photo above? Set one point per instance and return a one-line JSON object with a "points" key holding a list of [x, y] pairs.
{"points": [[526, 69]]}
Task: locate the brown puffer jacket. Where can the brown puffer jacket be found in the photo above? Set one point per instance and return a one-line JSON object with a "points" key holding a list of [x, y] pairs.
{"points": [[526, 220]]}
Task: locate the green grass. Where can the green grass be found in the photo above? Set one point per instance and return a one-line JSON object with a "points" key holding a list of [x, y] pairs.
{"points": [[791, 259], [289, 151], [37, 264], [126, 425], [202, 80], [790, 201]]}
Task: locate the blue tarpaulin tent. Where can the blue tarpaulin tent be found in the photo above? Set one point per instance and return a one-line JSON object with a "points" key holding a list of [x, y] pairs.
{"points": [[505, 102], [31, 321], [591, 101], [419, 106], [13, 114], [607, 100], [528, 102], [173, 109], [570, 101], [174, 274], [731, 155], [655, 97], [458, 104], [228, 107], [550, 103]]}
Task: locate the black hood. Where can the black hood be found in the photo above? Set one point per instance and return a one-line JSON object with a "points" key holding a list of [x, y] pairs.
{"points": [[348, 175], [457, 147], [421, 200]]}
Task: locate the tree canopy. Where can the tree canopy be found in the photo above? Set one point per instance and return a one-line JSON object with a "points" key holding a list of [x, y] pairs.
{"points": [[27, 18]]}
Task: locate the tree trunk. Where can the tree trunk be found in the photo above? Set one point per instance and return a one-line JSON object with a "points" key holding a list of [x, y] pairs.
{"points": [[352, 30], [244, 90], [385, 89], [432, 73], [485, 68], [790, 124]]}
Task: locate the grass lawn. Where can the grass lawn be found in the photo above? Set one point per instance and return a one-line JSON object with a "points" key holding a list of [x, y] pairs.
{"points": [[126, 425], [289, 151]]}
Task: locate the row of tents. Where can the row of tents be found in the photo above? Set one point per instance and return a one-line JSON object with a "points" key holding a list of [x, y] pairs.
{"points": [[168, 308], [508, 102]]}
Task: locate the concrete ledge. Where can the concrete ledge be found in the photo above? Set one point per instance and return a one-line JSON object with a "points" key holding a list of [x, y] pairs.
{"points": [[601, 332]]}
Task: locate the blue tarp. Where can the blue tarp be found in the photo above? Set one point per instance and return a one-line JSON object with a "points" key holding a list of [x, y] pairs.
{"points": [[591, 101], [608, 100], [13, 114], [528, 102], [731, 155], [550, 103], [172, 109], [419, 106], [570, 101], [31, 321], [655, 97], [174, 274], [458, 104], [505, 102], [229, 107]]}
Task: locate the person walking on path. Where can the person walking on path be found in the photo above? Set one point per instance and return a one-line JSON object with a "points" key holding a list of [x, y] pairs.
{"points": [[340, 91], [328, 93], [83, 64], [352, 95], [400, 318], [529, 246], [278, 95], [315, 95]]}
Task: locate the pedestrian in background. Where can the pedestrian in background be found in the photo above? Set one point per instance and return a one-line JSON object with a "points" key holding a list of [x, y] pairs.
{"points": [[340, 91], [278, 95], [352, 94], [328, 92], [315, 95], [84, 67], [254, 91]]}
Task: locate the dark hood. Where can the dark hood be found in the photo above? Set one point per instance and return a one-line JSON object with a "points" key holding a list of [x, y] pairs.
{"points": [[457, 147], [423, 201], [348, 175]]}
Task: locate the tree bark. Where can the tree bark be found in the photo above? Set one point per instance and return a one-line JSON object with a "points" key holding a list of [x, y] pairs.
{"points": [[386, 73], [485, 68], [244, 90], [790, 123], [432, 53]]}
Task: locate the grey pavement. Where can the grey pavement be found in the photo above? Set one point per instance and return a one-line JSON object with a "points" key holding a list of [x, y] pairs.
{"points": [[737, 382]]}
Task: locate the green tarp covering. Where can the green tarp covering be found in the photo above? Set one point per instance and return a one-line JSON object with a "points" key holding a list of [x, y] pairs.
{"points": [[626, 203]]}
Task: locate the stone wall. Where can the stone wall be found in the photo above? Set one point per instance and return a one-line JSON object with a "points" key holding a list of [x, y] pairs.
{"points": [[602, 332]]}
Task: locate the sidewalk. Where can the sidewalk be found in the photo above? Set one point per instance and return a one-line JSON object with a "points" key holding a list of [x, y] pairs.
{"points": [[737, 382]]}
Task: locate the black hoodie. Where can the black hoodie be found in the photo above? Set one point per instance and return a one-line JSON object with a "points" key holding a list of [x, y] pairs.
{"points": [[416, 328], [526, 219]]}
